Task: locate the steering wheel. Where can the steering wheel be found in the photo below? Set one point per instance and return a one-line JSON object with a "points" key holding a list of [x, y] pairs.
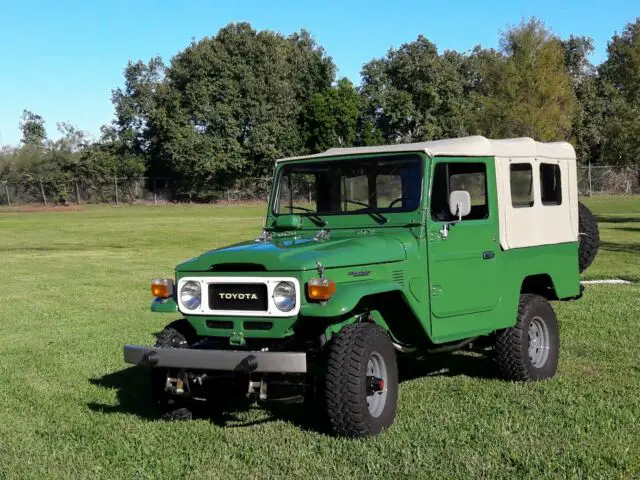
{"points": [[395, 201]]}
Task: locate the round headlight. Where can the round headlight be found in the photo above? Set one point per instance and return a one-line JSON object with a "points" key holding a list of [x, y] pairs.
{"points": [[190, 295], [284, 296]]}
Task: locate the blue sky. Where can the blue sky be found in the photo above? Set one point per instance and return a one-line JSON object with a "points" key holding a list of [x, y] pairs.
{"points": [[61, 59]]}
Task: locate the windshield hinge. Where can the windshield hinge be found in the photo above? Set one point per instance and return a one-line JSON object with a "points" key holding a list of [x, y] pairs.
{"points": [[322, 235], [264, 237]]}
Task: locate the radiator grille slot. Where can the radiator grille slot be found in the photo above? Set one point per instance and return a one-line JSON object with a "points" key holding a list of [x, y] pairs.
{"points": [[257, 325], [225, 324]]}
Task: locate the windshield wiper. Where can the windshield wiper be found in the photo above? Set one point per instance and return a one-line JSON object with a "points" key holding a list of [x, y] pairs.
{"points": [[377, 216], [313, 216]]}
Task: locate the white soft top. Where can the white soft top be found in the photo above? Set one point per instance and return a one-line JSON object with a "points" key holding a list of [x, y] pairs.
{"points": [[475, 146]]}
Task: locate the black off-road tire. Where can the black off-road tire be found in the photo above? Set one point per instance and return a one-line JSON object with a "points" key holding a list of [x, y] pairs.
{"points": [[512, 345], [345, 392], [589, 237], [177, 334]]}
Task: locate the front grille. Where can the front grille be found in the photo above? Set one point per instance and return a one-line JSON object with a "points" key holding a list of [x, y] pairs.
{"points": [[238, 296]]}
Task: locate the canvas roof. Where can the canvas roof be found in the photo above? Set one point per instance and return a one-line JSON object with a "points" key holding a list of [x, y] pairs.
{"points": [[475, 146]]}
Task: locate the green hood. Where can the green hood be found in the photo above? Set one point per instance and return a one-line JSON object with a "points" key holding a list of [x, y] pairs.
{"points": [[291, 254]]}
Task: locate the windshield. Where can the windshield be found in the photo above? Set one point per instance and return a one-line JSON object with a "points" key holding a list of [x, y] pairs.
{"points": [[366, 185]]}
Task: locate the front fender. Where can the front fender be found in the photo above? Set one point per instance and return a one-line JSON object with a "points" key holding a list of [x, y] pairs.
{"points": [[347, 297], [164, 305]]}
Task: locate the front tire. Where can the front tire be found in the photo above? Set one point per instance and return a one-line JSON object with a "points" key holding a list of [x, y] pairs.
{"points": [[361, 387], [175, 335], [531, 348]]}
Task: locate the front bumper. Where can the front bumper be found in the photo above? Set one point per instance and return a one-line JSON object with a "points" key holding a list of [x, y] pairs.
{"points": [[241, 361]]}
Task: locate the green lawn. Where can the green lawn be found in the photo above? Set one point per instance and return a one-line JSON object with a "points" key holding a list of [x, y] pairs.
{"points": [[76, 289]]}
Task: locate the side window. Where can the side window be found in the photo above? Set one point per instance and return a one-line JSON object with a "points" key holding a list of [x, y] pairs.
{"points": [[550, 185], [448, 177], [521, 185]]}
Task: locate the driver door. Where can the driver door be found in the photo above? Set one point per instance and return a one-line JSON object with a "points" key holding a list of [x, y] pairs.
{"points": [[462, 255]]}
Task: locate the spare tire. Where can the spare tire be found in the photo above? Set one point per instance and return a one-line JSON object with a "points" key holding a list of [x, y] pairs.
{"points": [[589, 236]]}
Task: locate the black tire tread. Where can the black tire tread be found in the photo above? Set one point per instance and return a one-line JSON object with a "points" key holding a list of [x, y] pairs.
{"points": [[346, 360], [589, 237], [511, 344], [180, 330]]}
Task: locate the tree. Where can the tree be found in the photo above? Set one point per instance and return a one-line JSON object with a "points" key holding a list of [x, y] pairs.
{"points": [[416, 94], [621, 83], [330, 118], [529, 90], [72, 139], [587, 124], [32, 127], [226, 106]]}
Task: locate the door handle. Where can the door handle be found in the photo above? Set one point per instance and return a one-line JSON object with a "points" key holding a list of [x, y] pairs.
{"points": [[488, 255]]}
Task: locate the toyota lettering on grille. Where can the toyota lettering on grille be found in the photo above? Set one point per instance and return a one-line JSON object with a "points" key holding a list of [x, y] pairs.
{"points": [[239, 296]]}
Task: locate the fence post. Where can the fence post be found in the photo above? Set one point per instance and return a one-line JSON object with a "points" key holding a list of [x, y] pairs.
{"points": [[589, 176], [6, 189], [155, 197], [115, 183], [44, 197], [75, 182]]}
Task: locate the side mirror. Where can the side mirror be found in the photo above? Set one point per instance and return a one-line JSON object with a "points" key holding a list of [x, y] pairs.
{"points": [[460, 203]]}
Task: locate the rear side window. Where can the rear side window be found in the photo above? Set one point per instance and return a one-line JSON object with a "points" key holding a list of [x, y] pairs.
{"points": [[550, 184], [521, 185], [448, 177]]}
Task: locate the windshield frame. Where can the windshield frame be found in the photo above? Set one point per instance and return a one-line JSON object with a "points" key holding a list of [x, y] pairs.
{"points": [[417, 156]]}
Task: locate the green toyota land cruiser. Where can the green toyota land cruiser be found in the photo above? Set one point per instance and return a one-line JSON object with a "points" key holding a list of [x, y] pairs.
{"points": [[399, 250]]}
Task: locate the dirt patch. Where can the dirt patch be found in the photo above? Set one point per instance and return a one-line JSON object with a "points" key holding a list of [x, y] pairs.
{"points": [[41, 208]]}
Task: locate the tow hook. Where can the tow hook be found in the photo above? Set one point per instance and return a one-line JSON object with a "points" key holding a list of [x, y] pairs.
{"points": [[178, 385], [258, 388]]}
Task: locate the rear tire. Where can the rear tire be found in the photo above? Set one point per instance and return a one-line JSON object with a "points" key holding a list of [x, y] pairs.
{"points": [[531, 348], [589, 237], [358, 404]]}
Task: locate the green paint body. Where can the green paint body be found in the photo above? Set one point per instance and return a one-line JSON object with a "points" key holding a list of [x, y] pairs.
{"points": [[442, 289]]}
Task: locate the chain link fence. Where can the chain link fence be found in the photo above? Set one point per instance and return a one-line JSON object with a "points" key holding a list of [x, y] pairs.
{"points": [[607, 180], [122, 191], [592, 180]]}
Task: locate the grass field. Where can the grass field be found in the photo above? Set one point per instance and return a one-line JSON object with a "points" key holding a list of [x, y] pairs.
{"points": [[76, 289]]}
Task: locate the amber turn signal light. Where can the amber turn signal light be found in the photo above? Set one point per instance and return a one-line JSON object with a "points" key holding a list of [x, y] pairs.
{"points": [[320, 289], [162, 287]]}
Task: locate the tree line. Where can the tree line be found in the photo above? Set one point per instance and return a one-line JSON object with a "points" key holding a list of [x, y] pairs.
{"points": [[227, 106]]}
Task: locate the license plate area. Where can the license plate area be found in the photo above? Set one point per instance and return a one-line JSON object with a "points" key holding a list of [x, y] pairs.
{"points": [[238, 296]]}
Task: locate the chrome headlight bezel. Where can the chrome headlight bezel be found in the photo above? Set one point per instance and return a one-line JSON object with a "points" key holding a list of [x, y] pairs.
{"points": [[284, 296], [191, 295]]}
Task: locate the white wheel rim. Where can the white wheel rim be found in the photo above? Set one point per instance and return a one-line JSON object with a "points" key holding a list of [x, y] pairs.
{"points": [[539, 342], [376, 400]]}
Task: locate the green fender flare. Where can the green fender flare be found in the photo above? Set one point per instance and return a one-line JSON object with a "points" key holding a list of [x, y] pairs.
{"points": [[346, 298], [164, 305]]}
